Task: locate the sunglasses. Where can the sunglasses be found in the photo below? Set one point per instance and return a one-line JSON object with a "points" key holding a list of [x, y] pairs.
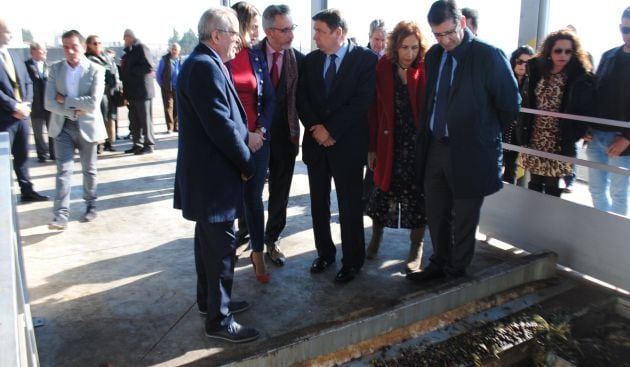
{"points": [[625, 30], [521, 62], [566, 51]]}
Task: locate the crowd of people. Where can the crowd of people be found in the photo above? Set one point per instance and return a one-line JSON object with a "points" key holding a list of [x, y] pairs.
{"points": [[427, 121]]}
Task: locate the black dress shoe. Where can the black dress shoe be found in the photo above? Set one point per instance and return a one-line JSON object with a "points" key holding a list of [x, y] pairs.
{"points": [[133, 150], [233, 333], [32, 197], [321, 264], [145, 150], [432, 272], [346, 274]]}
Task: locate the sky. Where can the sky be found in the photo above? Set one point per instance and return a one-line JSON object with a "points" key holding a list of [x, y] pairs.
{"points": [[154, 24]]}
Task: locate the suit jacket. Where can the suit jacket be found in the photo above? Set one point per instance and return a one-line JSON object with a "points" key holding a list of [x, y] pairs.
{"points": [[212, 148], [7, 93], [39, 88], [285, 113], [91, 89], [382, 118], [136, 72], [483, 99], [344, 111]]}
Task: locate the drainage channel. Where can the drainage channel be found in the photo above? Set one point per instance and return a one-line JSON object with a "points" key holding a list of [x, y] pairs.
{"points": [[563, 326]]}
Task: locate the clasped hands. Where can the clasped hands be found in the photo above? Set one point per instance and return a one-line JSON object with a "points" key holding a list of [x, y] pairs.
{"points": [[61, 99], [322, 136]]}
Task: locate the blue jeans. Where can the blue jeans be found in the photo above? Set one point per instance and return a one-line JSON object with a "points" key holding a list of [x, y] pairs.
{"points": [[68, 139], [609, 191], [252, 198]]}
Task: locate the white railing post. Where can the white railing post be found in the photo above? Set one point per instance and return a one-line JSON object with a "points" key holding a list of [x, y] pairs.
{"points": [[17, 337]]}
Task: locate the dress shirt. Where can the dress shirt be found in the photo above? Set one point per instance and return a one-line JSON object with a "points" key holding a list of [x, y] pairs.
{"points": [[280, 60], [72, 80], [341, 53]]}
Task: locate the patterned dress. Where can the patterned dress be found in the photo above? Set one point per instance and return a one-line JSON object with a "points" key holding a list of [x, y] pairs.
{"points": [[546, 133], [403, 205]]}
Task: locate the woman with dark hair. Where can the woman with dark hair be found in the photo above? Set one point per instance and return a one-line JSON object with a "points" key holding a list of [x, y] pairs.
{"points": [[255, 90], [559, 80], [96, 53], [518, 61], [397, 201]]}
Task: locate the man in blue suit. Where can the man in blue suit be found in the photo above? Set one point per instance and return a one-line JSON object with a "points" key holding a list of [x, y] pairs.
{"points": [[213, 160], [16, 94], [336, 85]]}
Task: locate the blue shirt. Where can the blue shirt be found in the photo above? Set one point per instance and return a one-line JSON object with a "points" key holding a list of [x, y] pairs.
{"points": [[341, 53], [176, 65]]}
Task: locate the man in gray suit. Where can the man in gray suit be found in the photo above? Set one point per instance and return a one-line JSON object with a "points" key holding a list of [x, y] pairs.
{"points": [[73, 96]]}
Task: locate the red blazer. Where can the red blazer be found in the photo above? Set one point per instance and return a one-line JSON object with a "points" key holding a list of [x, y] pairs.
{"points": [[381, 116]]}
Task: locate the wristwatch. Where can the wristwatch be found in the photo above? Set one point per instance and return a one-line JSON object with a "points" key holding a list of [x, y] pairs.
{"points": [[262, 129]]}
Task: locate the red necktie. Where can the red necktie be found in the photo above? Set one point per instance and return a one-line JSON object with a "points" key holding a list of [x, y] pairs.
{"points": [[275, 75]]}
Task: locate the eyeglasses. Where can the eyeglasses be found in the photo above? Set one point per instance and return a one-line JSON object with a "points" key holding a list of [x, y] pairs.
{"points": [[232, 33], [521, 62], [566, 51], [447, 33], [625, 30], [96, 43], [286, 29]]}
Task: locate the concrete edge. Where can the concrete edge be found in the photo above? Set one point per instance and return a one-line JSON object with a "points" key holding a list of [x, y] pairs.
{"points": [[445, 297]]}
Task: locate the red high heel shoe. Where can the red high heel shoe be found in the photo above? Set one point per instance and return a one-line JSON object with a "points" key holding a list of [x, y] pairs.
{"points": [[264, 278]]}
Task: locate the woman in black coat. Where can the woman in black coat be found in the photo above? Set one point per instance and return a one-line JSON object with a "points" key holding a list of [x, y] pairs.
{"points": [[559, 80]]}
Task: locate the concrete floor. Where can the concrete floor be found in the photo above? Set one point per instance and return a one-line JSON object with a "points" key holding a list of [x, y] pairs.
{"points": [[121, 289]]}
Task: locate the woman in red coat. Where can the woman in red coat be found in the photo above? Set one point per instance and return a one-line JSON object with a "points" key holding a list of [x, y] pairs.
{"points": [[397, 201]]}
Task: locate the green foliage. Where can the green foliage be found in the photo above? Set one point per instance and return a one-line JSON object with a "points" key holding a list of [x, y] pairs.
{"points": [[188, 41], [27, 36]]}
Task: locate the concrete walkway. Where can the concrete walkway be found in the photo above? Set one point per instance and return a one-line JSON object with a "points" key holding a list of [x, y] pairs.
{"points": [[121, 289]]}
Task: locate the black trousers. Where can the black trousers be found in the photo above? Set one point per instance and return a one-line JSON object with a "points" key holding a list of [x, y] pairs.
{"points": [[510, 166], [281, 167], [548, 185], [18, 139], [348, 180], [214, 261], [141, 123], [452, 222]]}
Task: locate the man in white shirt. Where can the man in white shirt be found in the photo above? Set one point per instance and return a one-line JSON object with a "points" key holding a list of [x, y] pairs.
{"points": [[73, 96]]}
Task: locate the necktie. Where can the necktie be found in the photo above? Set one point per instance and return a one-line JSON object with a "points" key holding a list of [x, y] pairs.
{"points": [[275, 74], [331, 72], [439, 118], [8, 64]]}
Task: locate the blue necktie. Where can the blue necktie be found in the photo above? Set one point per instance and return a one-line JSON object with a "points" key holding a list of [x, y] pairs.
{"points": [[329, 77], [439, 118]]}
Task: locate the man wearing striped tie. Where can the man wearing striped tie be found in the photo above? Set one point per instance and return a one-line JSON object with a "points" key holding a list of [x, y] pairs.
{"points": [[16, 94]]}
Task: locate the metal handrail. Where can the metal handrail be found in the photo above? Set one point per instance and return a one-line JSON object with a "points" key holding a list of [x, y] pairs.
{"points": [[17, 337]]}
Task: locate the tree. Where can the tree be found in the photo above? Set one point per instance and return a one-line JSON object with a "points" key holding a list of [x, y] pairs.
{"points": [[27, 36], [188, 42], [174, 38]]}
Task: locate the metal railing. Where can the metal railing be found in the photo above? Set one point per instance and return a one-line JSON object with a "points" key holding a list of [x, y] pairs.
{"points": [[17, 338], [590, 241]]}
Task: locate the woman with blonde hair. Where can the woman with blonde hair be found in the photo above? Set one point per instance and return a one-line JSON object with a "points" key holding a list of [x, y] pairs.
{"points": [[397, 201]]}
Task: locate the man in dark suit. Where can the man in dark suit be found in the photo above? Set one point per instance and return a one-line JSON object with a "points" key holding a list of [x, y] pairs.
{"points": [[283, 61], [137, 75], [213, 159], [471, 95], [336, 85], [40, 117], [16, 94]]}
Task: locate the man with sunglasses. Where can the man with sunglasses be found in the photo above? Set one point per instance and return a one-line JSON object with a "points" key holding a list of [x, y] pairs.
{"points": [[471, 95], [283, 61], [611, 144]]}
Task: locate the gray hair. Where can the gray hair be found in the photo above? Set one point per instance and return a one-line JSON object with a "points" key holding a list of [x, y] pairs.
{"points": [[269, 15], [35, 46], [377, 25], [212, 20]]}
